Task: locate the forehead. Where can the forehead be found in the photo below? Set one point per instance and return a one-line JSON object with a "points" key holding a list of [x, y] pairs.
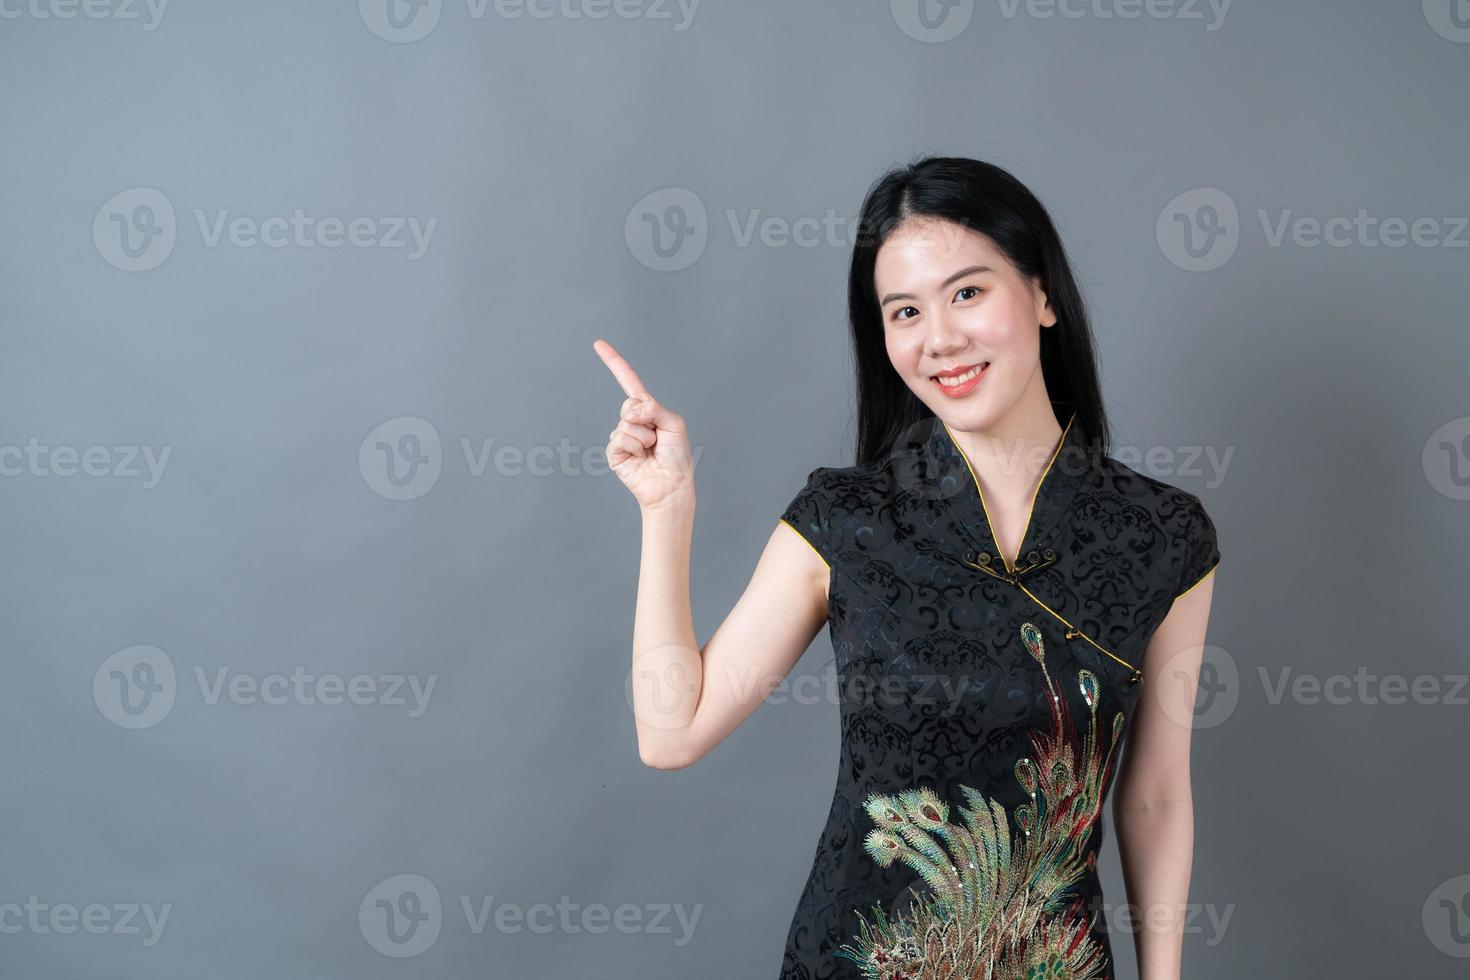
{"points": [[925, 250]]}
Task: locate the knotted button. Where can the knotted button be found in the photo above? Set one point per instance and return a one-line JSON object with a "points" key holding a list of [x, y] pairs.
{"points": [[1032, 556], [985, 558], [969, 556], [1049, 554]]}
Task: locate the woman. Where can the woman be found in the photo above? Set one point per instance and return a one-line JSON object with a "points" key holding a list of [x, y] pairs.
{"points": [[1000, 596]]}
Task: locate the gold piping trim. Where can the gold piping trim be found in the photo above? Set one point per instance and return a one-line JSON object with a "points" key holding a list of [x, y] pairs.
{"points": [[1025, 528], [808, 542], [1016, 581], [1197, 581], [1077, 631]]}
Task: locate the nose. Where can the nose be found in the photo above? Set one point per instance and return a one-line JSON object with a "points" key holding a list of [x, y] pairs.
{"points": [[943, 336]]}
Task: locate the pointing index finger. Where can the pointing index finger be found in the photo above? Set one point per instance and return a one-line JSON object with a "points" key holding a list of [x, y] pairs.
{"points": [[623, 371]]}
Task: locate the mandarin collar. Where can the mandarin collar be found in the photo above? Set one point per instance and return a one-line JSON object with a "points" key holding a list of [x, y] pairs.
{"points": [[956, 484]]}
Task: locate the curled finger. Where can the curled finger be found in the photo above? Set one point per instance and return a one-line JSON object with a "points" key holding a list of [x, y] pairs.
{"points": [[644, 434]]}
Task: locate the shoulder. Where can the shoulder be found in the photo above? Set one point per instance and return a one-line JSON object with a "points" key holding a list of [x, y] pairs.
{"points": [[832, 493], [1184, 533], [850, 486], [835, 504], [1165, 501]]}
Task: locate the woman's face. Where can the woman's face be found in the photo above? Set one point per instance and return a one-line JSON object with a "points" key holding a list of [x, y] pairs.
{"points": [[952, 303]]}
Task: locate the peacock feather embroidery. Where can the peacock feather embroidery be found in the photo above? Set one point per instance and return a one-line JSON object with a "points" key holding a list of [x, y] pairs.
{"points": [[1000, 904]]}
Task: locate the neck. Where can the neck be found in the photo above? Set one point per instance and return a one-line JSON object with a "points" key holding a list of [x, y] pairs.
{"points": [[1015, 447]]}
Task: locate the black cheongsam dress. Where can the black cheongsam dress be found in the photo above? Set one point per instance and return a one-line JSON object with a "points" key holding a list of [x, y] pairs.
{"points": [[984, 706]]}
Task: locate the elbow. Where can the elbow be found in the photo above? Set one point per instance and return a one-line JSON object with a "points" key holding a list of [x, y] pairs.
{"points": [[664, 757], [656, 760]]}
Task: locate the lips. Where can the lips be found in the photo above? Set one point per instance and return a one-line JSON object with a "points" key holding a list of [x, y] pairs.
{"points": [[961, 380], [956, 372]]}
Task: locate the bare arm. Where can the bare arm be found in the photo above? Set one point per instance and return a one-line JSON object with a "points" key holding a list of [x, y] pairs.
{"points": [[1153, 807], [687, 699]]}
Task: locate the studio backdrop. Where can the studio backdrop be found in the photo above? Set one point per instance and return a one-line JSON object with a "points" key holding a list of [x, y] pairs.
{"points": [[317, 590]]}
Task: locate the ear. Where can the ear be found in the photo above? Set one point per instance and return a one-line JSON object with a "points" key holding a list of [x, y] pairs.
{"points": [[1048, 316]]}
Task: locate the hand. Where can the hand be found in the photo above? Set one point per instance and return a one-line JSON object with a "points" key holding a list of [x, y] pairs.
{"points": [[649, 449]]}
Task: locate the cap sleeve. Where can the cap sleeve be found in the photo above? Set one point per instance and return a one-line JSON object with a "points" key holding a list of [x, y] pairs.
{"points": [[807, 514], [1202, 551]]}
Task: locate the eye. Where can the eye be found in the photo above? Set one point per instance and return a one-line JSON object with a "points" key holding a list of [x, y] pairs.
{"points": [[897, 314], [972, 290]]}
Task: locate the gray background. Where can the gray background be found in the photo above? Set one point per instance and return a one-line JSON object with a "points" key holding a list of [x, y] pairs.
{"points": [[1330, 834]]}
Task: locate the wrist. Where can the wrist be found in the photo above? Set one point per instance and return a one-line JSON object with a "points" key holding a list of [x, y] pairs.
{"points": [[675, 509]]}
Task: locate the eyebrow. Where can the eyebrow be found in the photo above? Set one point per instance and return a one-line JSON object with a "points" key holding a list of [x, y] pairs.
{"points": [[972, 270]]}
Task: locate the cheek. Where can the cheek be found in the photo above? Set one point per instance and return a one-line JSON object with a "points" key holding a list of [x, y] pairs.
{"points": [[1004, 328], [905, 347]]}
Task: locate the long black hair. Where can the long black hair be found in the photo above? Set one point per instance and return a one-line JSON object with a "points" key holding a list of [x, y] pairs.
{"points": [[987, 199]]}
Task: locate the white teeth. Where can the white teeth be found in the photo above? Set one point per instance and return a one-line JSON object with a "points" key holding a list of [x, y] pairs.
{"points": [[960, 379]]}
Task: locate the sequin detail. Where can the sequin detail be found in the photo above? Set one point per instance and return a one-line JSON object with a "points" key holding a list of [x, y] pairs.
{"points": [[1000, 902]]}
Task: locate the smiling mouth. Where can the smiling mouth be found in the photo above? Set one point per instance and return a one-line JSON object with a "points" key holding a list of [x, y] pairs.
{"points": [[956, 380]]}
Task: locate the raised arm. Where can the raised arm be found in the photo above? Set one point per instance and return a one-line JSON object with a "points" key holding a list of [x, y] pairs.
{"points": [[687, 699]]}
